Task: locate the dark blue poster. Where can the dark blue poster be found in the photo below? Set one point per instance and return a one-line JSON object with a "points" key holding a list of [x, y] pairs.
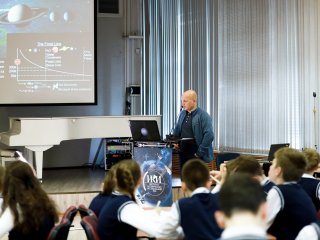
{"points": [[156, 186]]}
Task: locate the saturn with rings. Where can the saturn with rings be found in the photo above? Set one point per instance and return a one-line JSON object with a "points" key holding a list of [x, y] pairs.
{"points": [[21, 14]]}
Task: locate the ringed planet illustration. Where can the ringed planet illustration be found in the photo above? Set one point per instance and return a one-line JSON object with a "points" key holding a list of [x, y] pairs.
{"points": [[21, 14]]}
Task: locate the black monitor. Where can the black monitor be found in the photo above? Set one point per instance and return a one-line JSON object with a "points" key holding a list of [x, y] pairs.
{"points": [[145, 131], [274, 148]]}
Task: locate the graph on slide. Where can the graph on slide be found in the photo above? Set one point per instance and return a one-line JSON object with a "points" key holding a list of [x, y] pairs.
{"points": [[51, 65], [25, 69]]}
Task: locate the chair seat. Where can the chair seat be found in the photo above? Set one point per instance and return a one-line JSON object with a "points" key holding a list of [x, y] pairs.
{"points": [[60, 231], [89, 224]]}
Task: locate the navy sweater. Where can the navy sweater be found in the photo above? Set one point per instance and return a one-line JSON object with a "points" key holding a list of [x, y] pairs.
{"points": [[297, 211], [109, 224], [311, 186], [197, 216]]}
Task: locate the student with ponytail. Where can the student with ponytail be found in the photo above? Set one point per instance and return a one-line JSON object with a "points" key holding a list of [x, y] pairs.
{"points": [[121, 216]]}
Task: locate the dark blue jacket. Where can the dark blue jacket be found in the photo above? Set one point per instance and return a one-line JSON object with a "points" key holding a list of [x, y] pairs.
{"points": [[202, 131]]}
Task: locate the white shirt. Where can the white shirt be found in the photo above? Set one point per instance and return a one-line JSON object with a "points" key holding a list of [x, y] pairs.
{"points": [[308, 232], [147, 221], [6, 222], [236, 231], [216, 188]]}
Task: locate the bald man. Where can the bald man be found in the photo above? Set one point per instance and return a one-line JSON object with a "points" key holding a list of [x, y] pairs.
{"points": [[194, 127]]}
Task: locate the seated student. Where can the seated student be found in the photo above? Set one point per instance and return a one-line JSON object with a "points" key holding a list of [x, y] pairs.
{"points": [[289, 206], [248, 164], [121, 216], [242, 211], [98, 201], [243, 164], [308, 182], [27, 211], [195, 214]]}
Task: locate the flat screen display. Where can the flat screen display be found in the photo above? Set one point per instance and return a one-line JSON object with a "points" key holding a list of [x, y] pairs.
{"points": [[47, 52]]}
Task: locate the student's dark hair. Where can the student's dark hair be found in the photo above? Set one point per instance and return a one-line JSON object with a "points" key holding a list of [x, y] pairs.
{"points": [[240, 193], [21, 189], [292, 162], [312, 157], [244, 164], [195, 173], [124, 176], [249, 165]]}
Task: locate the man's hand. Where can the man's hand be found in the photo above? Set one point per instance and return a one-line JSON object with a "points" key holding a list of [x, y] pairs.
{"points": [[176, 146]]}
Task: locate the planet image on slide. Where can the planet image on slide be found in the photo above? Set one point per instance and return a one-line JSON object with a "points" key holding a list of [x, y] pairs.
{"points": [[21, 15]]}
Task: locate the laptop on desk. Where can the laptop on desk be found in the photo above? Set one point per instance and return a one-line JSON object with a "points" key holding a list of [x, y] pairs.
{"points": [[145, 131]]}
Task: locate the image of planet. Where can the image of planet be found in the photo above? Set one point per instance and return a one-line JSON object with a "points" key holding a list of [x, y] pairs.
{"points": [[21, 14]]}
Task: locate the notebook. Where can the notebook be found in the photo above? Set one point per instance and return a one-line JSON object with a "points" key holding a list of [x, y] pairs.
{"points": [[274, 148], [144, 130]]}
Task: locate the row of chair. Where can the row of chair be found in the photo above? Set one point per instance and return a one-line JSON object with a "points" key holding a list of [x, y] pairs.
{"points": [[88, 221]]}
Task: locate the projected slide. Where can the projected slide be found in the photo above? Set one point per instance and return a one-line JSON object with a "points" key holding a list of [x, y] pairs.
{"points": [[47, 52]]}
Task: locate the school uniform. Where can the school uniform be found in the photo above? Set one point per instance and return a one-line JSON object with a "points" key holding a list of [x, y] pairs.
{"points": [[120, 218], [312, 186], [289, 210], [195, 215], [98, 202]]}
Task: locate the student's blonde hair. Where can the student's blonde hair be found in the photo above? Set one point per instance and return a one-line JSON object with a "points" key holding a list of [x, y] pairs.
{"points": [[124, 176], [292, 162], [312, 157]]}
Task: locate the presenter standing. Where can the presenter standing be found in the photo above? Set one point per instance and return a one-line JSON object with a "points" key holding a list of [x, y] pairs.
{"points": [[194, 128]]}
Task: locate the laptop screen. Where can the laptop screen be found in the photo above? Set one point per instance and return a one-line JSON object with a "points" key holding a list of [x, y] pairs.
{"points": [[144, 130], [274, 148]]}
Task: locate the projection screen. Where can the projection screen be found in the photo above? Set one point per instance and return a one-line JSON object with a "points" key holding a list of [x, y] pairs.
{"points": [[47, 52]]}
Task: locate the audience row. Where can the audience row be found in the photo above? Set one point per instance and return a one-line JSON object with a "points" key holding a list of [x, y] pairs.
{"points": [[243, 204]]}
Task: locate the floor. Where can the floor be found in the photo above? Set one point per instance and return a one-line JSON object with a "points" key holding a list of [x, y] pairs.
{"points": [[73, 180]]}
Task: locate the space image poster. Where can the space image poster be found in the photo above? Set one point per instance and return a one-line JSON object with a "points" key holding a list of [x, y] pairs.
{"points": [[156, 186]]}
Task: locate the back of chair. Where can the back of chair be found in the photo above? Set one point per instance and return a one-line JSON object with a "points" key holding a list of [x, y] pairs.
{"points": [[60, 231], [70, 213], [85, 211], [89, 224], [225, 157]]}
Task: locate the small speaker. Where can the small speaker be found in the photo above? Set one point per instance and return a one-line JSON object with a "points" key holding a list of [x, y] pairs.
{"points": [[109, 6], [134, 90]]}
